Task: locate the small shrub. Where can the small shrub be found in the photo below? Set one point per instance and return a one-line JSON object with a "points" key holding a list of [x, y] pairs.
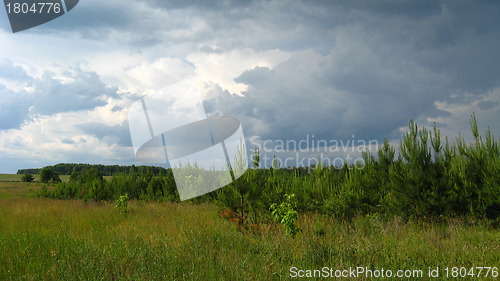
{"points": [[286, 213], [121, 204], [43, 192], [27, 178]]}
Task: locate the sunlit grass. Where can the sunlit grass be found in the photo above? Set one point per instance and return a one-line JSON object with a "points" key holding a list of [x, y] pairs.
{"points": [[13, 177]]}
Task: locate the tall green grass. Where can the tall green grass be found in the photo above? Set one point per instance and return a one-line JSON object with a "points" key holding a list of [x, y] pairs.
{"points": [[46, 239], [10, 177]]}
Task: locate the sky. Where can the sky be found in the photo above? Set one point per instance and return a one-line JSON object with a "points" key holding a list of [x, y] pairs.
{"points": [[355, 70]]}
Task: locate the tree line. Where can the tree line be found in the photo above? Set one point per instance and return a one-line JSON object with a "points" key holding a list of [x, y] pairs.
{"points": [[105, 170]]}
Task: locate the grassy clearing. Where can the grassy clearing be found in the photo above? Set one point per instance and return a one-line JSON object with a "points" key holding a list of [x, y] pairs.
{"points": [[45, 239], [10, 190], [13, 177]]}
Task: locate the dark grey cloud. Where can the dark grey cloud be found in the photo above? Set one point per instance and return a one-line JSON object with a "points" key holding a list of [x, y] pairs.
{"points": [[116, 134], [200, 4], [149, 23], [14, 105], [117, 108], [94, 15], [330, 97], [83, 90], [389, 62], [67, 141], [405, 8], [441, 35], [13, 108], [457, 39], [485, 105], [280, 23]]}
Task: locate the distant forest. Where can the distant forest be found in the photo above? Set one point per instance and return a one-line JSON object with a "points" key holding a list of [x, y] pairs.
{"points": [[105, 170], [113, 170]]}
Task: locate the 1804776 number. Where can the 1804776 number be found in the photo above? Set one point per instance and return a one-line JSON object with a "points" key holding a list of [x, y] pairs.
{"points": [[478, 271], [35, 8]]}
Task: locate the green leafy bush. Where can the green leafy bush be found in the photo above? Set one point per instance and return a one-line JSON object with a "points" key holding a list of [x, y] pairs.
{"points": [[286, 214], [27, 178], [121, 204]]}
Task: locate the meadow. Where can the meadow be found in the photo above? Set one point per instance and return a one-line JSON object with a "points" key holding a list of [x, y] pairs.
{"points": [[431, 211], [50, 239]]}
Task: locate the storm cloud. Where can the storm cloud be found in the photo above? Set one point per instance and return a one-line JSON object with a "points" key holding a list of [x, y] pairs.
{"points": [[286, 69]]}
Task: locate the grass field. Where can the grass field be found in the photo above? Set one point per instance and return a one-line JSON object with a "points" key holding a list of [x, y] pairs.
{"points": [[44, 239], [14, 177]]}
